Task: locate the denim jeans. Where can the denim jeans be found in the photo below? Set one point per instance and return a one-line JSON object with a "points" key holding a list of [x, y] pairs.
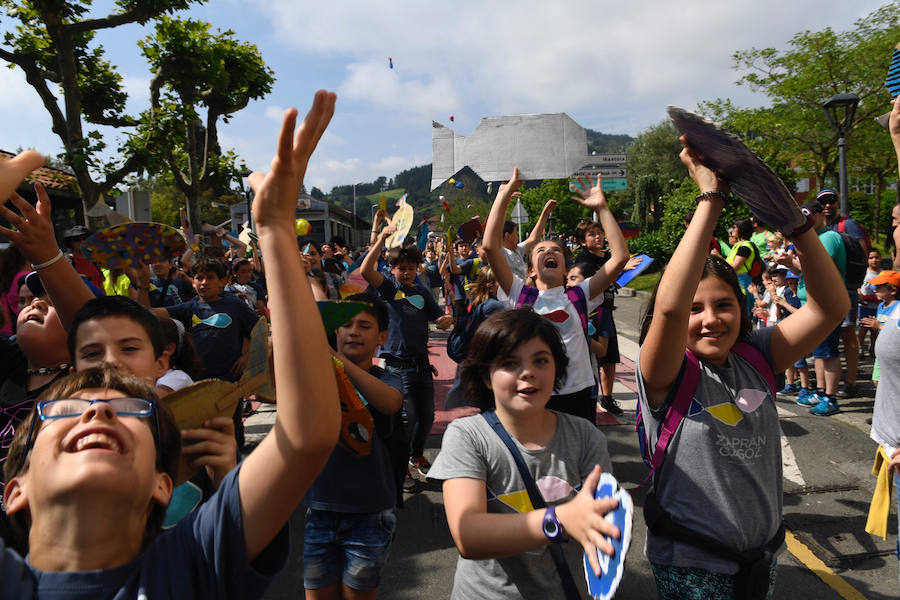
{"points": [[418, 403]]}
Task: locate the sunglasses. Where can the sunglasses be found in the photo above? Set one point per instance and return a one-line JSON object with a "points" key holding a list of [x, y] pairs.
{"points": [[64, 408], [828, 201]]}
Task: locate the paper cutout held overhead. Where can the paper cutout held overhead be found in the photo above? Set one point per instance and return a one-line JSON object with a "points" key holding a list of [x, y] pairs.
{"points": [[402, 220], [122, 245], [749, 177]]}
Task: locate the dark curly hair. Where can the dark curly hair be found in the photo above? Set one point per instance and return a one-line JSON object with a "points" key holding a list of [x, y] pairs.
{"points": [[498, 337]]}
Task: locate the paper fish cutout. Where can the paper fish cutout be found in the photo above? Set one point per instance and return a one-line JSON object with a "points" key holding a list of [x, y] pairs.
{"points": [[355, 284], [402, 220], [470, 230], [625, 277], [543, 146], [357, 426], [193, 405], [218, 320], [416, 300], [613, 567], [335, 313], [122, 245], [749, 177]]}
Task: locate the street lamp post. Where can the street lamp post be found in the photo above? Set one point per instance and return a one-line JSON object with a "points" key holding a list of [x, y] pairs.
{"points": [[840, 110], [248, 196]]}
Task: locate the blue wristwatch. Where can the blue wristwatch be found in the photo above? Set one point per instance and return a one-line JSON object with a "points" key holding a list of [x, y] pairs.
{"points": [[551, 525]]}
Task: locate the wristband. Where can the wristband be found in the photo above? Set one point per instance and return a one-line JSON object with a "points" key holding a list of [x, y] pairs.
{"points": [[140, 288], [804, 227], [44, 265], [710, 194]]}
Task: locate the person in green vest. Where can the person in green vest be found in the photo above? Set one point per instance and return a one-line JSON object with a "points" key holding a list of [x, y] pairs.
{"points": [[760, 237], [744, 257]]}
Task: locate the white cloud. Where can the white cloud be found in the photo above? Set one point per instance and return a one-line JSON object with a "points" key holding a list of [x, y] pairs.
{"points": [[138, 90], [275, 113]]}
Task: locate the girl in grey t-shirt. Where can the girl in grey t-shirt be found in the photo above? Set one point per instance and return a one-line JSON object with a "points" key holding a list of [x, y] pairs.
{"points": [[721, 475], [515, 361]]}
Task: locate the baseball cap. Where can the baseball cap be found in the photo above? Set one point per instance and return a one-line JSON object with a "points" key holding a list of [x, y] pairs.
{"points": [[781, 269], [886, 277], [812, 207], [792, 275], [827, 195]]}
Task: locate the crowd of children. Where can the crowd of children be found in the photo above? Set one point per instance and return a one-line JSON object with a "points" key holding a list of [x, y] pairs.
{"points": [[88, 355]]}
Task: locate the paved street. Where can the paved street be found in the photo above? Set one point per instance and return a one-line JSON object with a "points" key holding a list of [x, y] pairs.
{"points": [[828, 485]]}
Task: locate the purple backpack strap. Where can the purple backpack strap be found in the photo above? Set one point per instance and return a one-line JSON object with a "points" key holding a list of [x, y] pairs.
{"points": [[527, 297], [576, 297], [759, 362], [677, 410]]}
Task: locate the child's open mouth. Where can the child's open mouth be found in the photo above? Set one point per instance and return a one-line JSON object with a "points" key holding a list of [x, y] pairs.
{"points": [[96, 441]]}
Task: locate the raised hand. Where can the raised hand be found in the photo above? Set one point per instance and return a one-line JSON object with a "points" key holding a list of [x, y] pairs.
{"points": [[705, 178], [277, 190], [33, 233], [583, 518], [14, 171], [589, 195], [507, 188]]}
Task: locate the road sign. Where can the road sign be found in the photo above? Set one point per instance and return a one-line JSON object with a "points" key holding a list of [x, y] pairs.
{"points": [[606, 159], [593, 170], [519, 214], [609, 185]]}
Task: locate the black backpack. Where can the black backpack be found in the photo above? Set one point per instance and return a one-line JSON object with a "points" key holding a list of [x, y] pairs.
{"points": [[855, 271]]}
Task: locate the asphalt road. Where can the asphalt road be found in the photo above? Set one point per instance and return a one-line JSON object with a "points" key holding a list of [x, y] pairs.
{"points": [[828, 485]]}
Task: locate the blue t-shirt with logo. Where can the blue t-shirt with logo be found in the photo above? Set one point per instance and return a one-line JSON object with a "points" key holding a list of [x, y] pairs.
{"points": [[219, 329]]}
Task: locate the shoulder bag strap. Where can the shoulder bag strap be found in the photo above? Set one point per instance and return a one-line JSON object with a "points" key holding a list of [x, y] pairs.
{"points": [[537, 501]]}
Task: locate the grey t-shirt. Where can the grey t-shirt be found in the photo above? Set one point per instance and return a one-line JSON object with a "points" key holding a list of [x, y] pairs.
{"points": [[722, 471], [886, 417], [471, 449]]}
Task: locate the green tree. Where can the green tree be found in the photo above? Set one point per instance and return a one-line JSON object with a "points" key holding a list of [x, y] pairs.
{"points": [[53, 44], [195, 71], [647, 195], [793, 130], [567, 214], [655, 151]]}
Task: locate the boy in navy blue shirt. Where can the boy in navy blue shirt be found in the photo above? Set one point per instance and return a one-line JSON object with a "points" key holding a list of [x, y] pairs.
{"points": [[405, 354], [220, 323], [348, 534]]}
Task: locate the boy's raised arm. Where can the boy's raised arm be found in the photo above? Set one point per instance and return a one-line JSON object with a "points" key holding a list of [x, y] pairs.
{"points": [[33, 235], [369, 266], [493, 232], [538, 231], [274, 478], [595, 200]]}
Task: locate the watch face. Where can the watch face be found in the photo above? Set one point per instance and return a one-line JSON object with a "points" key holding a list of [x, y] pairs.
{"points": [[550, 529]]}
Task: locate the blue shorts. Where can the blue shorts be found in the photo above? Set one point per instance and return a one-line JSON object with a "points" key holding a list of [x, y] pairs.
{"points": [[850, 319], [346, 547], [829, 346]]}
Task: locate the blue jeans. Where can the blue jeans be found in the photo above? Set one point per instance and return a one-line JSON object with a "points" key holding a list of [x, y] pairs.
{"points": [[346, 547], [418, 403]]}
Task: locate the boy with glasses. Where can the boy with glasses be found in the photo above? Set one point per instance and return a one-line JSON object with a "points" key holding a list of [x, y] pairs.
{"points": [[92, 485]]}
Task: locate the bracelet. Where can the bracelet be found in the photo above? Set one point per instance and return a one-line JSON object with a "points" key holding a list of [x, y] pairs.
{"points": [[710, 194], [807, 225], [44, 265], [140, 288]]}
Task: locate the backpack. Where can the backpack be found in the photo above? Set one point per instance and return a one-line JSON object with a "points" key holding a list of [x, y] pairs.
{"points": [[529, 295], [461, 336], [687, 384], [857, 260], [842, 227]]}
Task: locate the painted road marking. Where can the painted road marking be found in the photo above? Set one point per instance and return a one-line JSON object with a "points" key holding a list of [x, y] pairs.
{"points": [[812, 562], [789, 467]]}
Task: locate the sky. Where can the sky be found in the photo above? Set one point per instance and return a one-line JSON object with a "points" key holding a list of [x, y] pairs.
{"points": [[612, 66]]}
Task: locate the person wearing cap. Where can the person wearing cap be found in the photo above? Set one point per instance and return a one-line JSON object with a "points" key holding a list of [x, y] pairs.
{"points": [[826, 356], [829, 199], [72, 239]]}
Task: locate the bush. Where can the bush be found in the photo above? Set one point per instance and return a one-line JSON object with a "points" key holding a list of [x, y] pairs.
{"points": [[655, 244]]}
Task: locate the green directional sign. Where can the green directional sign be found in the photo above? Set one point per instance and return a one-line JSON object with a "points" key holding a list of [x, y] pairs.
{"points": [[609, 185]]}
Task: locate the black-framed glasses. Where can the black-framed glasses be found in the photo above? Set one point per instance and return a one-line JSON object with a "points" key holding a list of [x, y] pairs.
{"points": [[64, 408], [828, 200]]}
